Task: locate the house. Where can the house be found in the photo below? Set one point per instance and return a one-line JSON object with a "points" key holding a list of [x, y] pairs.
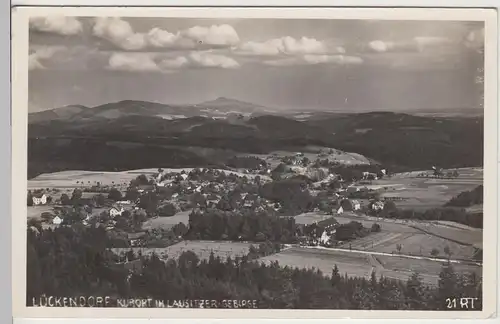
{"points": [[40, 199], [340, 210], [116, 211], [57, 220], [377, 205], [124, 202], [356, 205], [184, 176]]}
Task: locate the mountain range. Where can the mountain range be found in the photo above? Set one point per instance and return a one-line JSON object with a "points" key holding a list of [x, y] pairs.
{"points": [[219, 108]]}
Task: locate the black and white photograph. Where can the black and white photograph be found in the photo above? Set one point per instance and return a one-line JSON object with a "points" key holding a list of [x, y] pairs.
{"points": [[245, 162]]}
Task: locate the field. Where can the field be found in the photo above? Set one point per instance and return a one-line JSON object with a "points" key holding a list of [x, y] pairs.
{"points": [[411, 244], [352, 263], [463, 236], [424, 193], [310, 218], [81, 179], [415, 237], [201, 248], [401, 268], [167, 222], [36, 211]]}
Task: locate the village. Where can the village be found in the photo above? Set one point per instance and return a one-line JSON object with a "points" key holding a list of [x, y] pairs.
{"points": [[333, 206]]}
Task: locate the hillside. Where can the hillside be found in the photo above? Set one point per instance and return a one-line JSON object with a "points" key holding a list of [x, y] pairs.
{"points": [[56, 114], [220, 108], [400, 141], [406, 140]]}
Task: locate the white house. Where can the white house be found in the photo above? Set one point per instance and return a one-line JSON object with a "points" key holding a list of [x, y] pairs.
{"points": [[116, 211], [124, 202], [378, 205], [356, 205], [184, 176], [340, 210], [57, 220], [41, 200]]}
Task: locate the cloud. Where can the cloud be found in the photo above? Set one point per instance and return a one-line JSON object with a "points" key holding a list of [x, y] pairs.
{"points": [[287, 46], [176, 63], [426, 42], [153, 62], [310, 59], [121, 34], [133, 62], [41, 54], [419, 43], [222, 35], [209, 60], [381, 46], [475, 39], [61, 25]]}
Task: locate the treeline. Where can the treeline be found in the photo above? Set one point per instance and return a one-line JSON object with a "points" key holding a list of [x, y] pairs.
{"points": [[215, 224], [467, 198], [453, 214], [71, 262], [48, 155]]}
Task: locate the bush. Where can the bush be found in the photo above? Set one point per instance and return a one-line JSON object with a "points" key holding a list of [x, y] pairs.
{"points": [[115, 195], [375, 228], [167, 210]]}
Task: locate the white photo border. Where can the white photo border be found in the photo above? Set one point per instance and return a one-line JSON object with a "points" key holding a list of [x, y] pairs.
{"points": [[20, 17]]}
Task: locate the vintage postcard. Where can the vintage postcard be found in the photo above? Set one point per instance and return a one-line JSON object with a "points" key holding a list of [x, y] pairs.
{"points": [[267, 163]]}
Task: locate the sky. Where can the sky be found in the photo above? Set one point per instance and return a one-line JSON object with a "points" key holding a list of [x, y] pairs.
{"points": [[310, 64]]}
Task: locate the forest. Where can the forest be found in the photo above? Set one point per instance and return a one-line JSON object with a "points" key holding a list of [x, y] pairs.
{"points": [[74, 261]]}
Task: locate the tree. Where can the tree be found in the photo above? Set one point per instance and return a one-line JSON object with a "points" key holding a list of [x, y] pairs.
{"points": [[167, 210], [447, 284], [149, 202], [389, 206], [115, 194], [375, 228], [76, 195], [434, 252], [447, 251], [415, 291], [30, 198], [399, 247], [100, 200], [65, 199], [132, 194]]}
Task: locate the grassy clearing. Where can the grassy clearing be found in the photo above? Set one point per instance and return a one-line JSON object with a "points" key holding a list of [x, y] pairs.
{"points": [[201, 248], [461, 236], [422, 193], [433, 268], [324, 260], [310, 218], [167, 222], [36, 211]]}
